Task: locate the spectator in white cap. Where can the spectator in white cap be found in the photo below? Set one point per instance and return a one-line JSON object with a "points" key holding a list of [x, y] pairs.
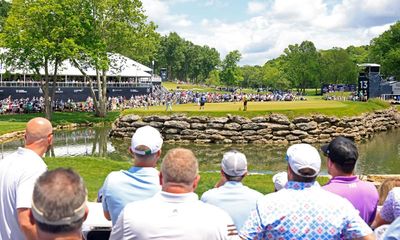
{"points": [[230, 194], [303, 210], [280, 179], [139, 182]]}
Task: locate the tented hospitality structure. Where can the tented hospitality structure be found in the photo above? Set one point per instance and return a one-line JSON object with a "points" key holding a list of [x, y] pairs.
{"points": [[121, 67]]}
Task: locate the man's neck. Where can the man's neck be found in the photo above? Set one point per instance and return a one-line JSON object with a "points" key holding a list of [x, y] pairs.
{"points": [[174, 188], [66, 236], [142, 165], [341, 174], [38, 150]]}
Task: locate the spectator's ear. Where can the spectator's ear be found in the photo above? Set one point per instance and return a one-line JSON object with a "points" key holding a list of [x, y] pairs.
{"points": [[160, 176], [196, 182], [86, 213]]}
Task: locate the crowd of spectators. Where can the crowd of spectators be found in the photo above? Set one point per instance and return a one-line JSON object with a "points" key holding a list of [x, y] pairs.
{"points": [[158, 97], [36, 104]]}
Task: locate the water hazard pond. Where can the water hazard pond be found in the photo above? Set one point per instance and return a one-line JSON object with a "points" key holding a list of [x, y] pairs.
{"points": [[379, 155]]}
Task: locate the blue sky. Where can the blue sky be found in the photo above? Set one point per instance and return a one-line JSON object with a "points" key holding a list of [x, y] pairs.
{"points": [[262, 29]]}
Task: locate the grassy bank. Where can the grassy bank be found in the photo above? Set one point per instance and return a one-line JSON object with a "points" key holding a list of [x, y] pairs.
{"points": [[94, 170], [17, 122], [8, 126]]}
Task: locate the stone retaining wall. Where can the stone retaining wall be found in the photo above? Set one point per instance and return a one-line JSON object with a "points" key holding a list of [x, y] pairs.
{"points": [[269, 129]]}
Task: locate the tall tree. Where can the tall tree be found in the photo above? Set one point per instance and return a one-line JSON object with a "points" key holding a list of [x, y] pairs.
{"points": [[337, 67], [358, 54], [171, 54], [5, 7], [40, 35], [209, 60], [109, 26], [385, 49], [301, 64], [213, 78], [273, 76], [231, 74]]}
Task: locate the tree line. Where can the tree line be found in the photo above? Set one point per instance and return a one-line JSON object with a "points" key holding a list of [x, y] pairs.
{"points": [[300, 65]]}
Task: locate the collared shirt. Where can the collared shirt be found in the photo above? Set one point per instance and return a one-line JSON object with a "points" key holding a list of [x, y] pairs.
{"points": [[393, 232], [173, 216], [304, 211], [122, 187], [363, 195], [235, 198], [391, 207], [18, 174]]}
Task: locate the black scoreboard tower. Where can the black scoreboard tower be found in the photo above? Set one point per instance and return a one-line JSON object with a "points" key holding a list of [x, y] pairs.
{"points": [[369, 81]]}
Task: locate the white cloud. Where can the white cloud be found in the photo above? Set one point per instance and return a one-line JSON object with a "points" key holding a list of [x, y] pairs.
{"points": [[254, 7], [159, 12], [277, 24], [294, 11]]}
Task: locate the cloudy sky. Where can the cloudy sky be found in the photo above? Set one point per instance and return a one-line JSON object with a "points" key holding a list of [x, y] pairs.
{"points": [[262, 29]]}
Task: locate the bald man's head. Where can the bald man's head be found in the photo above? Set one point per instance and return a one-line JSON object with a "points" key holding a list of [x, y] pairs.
{"points": [[37, 129], [179, 166]]}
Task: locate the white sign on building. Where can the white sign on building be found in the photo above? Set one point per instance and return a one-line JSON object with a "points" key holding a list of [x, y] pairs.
{"points": [[396, 88]]}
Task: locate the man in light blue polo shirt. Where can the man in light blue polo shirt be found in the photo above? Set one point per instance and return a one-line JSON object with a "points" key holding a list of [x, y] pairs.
{"points": [[141, 181], [230, 194]]}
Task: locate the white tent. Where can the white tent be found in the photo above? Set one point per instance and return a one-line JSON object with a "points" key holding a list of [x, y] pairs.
{"points": [[121, 66]]}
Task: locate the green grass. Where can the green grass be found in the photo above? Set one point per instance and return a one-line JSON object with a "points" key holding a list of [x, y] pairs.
{"points": [[94, 170], [311, 92], [314, 105], [60, 118], [16, 122], [7, 126]]}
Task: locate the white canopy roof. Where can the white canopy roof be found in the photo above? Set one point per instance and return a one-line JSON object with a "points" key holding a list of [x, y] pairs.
{"points": [[368, 65], [120, 66]]}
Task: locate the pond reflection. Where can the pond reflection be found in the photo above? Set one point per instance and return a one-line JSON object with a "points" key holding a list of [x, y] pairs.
{"points": [[380, 155]]}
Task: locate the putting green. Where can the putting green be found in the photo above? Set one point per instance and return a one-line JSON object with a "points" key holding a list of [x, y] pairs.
{"points": [[254, 106], [314, 105]]}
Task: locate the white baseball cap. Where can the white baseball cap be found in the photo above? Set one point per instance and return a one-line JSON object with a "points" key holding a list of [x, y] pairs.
{"points": [[301, 156], [149, 137], [280, 179], [234, 163]]}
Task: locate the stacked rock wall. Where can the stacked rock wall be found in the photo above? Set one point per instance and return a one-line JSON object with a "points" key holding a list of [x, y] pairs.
{"points": [[269, 129]]}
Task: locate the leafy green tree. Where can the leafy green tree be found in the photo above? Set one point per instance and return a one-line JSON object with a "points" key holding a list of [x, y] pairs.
{"points": [[274, 78], [209, 60], [40, 35], [252, 76], [145, 46], [385, 49], [110, 26], [301, 65], [337, 67], [171, 54], [358, 54], [213, 78], [44, 33], [231, 74], [185, 60], [5, 7]]}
